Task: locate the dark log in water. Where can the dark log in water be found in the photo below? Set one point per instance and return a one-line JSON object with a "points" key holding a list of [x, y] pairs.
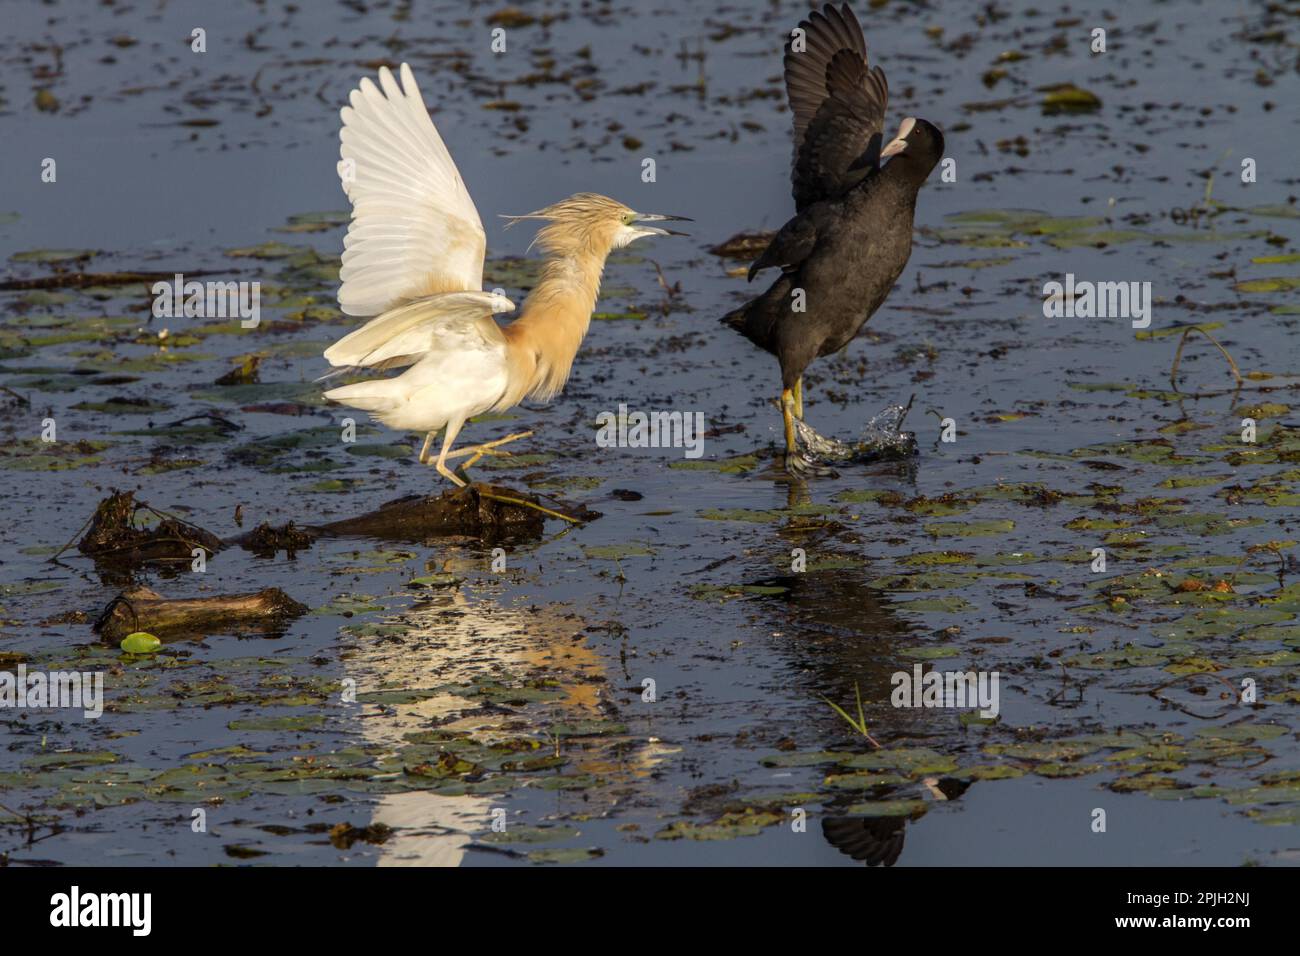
{"points": [[266, 540], [743, 245], [485, 512], [476, 510], [142, 609], [114, 538]]}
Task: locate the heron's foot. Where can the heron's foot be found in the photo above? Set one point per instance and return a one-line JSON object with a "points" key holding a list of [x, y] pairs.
{"points": [[488, 448], [449, 474], [800, 467]]}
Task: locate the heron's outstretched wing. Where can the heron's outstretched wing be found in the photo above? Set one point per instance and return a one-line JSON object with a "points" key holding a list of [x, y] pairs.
{"points": [[838, 104], [415, 231], [402, 335]]}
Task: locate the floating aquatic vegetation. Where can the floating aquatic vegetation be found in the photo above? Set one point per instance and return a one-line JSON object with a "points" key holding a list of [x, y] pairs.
{"points": [[140, 642]]}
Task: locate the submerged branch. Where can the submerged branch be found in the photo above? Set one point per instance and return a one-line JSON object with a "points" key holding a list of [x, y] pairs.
{"points": [[142, 609], [1178, 357]]}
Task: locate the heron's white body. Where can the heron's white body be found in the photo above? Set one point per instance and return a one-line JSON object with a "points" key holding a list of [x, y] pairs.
{"points": [[461, 372], [413, 258], [413, 263]]}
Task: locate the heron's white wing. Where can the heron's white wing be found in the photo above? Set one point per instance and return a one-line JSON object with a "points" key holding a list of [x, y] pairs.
{"points": [[462, 370], [414, 229], [463, 374], [404, 334]]}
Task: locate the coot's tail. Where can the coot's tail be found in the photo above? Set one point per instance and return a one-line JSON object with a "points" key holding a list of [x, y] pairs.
{"points": [[736, 319], [757, 319]]}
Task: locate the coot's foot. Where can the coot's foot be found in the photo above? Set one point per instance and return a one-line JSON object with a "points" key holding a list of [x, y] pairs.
{"points": [[821, 447]]}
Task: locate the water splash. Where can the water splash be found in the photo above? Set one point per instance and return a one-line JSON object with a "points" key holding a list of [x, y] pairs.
{"points": [[882, 440]]}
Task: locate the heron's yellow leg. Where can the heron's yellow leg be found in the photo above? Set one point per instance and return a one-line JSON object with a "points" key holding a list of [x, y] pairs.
{"points": [[798, 398], [478, 451], [787, 413], [453, 429], [424, 452]]}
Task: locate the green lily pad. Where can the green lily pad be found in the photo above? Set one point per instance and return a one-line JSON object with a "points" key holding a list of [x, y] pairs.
{"points": [[140, 642]]}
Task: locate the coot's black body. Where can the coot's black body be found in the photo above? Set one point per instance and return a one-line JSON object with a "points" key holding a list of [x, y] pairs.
{"points": [[852, 233], [845, 254]]}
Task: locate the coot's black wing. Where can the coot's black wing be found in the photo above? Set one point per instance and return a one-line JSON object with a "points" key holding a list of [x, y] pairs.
{"points": [[838, 103], [789, 247], [870, 840]]}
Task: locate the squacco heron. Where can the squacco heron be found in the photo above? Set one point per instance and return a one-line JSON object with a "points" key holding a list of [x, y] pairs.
{"points": [[851, 235], [413, 259]]}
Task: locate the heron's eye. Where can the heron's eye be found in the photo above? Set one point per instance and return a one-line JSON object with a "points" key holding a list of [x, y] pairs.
{"points": [[629, 218]]}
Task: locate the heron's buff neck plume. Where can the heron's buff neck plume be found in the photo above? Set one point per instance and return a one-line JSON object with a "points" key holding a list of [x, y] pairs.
{"points": [[554, 318]]}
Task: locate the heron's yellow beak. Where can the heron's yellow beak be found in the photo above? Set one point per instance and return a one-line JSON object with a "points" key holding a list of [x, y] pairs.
{"points": [[656, 217]]}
